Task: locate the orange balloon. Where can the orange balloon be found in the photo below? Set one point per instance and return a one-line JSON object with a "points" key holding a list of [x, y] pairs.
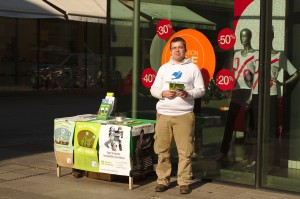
{"points": [[199, 50]]}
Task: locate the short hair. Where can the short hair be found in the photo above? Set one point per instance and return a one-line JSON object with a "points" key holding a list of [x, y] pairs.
{"points": [[176, 39]]}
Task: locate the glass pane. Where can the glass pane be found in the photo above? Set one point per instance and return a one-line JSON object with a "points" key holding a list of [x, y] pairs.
{"points": [[70, 55], [281, 169], [238, 146], [212, 111], [121, 56], [227, 116], [230, 112], [8, 48], [96, 55]]}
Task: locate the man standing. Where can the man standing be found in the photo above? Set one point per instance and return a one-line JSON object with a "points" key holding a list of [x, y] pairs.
{"points": [[176, 85]]}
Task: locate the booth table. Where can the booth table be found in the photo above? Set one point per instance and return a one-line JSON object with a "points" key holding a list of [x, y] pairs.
{"points": [[105, 146]]}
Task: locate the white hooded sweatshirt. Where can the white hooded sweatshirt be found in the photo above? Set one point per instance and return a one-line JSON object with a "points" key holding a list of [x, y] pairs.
{"points": [[186, 73]]}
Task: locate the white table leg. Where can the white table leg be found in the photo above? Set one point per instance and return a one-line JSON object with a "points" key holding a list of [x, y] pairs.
{"points": [[130, 182], [58, 170]]}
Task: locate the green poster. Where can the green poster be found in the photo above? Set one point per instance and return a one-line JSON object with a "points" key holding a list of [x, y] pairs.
{"points": [[85, 143], [63, 134], [63, 146]]}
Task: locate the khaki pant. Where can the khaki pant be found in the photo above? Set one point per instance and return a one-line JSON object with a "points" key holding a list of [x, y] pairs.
{"points": [[181, 129]]}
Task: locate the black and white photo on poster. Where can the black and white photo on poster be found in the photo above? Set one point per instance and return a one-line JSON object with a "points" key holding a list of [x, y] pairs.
{"points": [[142, 139], [114, 149]]}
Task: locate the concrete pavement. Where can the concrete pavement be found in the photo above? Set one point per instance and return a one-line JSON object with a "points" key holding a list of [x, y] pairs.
{"points": [[33, 176], [28, 166]]}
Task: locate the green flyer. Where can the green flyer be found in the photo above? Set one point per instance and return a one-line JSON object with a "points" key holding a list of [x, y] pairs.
{"points": [[85, 143]]}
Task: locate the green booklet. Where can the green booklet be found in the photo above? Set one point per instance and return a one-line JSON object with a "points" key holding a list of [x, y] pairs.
{"points": [[176, 86], [107, 106], [103, 111]]}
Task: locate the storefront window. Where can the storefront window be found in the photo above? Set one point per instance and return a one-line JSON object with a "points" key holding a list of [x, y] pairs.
{"points": [[227, 117], [280, 154], [51, 54], [16, 61], [211, 111], [68, 58]]}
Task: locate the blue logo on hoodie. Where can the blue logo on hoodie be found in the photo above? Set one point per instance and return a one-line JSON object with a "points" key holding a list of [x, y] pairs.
{"points": [[176, 75]]}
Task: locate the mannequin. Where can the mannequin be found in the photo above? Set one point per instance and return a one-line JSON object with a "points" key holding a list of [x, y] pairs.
{"points": [[243, 68]]}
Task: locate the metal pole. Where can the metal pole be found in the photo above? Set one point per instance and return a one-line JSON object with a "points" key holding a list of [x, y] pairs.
{"points": [[38, 52], [263, 85], [86, 54], [136, 28], [107, 68]]}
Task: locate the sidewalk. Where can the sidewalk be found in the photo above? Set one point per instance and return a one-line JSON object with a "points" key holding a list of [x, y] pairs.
{"points": [[28, 166], [33, 176]]}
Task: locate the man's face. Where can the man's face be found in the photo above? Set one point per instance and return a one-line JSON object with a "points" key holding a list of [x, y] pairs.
{"points": [[178, 51]]}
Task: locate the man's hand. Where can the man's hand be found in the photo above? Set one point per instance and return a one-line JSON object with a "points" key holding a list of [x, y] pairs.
{"points": [[168, 94], [181, 93]]}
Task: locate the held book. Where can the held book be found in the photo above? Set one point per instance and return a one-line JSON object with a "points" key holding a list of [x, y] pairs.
{"points": [[176, 86]]}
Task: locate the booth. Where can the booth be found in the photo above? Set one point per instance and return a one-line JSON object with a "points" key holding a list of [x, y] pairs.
{"points": [[108, 146]]}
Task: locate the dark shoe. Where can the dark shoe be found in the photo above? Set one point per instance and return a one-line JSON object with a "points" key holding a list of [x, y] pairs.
{"points": [[185, 189], [78, 173], [161, 188]]}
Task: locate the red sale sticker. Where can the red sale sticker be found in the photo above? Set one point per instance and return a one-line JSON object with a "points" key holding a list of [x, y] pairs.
{"points": [[226, 39], [225, 80], [148, 77], [164, 29]]}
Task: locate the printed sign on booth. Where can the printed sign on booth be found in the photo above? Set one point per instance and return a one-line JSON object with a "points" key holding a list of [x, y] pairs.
{"points": [[114, 153]]}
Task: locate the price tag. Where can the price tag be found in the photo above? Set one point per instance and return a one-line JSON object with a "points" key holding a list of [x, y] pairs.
{"points": [[164, 29], [226, 39], [148, 77], [225, 80]]}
